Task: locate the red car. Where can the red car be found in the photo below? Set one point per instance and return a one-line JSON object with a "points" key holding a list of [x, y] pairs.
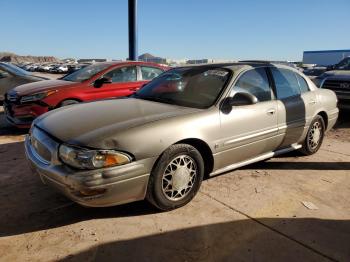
{"points": [[98, 81]]}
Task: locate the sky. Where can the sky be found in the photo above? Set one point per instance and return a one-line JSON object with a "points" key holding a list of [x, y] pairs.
{"points": [[193, 29]]}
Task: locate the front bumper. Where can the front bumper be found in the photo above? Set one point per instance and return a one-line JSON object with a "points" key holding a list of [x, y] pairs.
{"points": [[22, 116], [118, 185], [343, 102]]}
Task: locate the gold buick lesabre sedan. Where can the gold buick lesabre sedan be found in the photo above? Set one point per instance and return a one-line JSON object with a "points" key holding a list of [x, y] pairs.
{"points": [[188, 123]]}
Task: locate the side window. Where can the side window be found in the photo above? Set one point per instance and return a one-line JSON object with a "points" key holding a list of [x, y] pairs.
{"points": [[122, 74], [256, 82], [304, 87], [148, 73], [286, 83]]}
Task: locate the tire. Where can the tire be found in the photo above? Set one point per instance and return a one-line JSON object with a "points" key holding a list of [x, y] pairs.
{"points": [[314, 139], [168, 189], [68, 102]]}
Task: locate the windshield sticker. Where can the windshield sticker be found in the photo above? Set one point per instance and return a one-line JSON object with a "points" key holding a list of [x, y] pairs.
{"points": [[220, 73]]}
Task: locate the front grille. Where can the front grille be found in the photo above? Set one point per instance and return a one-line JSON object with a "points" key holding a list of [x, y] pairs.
{"points": [[337, 85], [40, 145]]}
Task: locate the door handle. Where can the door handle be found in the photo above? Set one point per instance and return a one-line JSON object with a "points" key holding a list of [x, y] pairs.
{"points": [[271, 111], [134, 89]]}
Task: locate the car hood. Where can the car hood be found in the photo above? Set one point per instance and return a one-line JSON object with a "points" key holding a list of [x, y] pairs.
{"points": [[41, 86], [336, 73], [88, 124]]}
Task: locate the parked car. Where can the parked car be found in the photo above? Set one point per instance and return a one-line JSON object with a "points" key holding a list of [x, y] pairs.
{"points": [[73, 68], [337, 80], [98, 81], [54, 69], [344, 64], [12, 76], [44, 68], [31, 67], [188, 123], [314, 72], [60, 69]]}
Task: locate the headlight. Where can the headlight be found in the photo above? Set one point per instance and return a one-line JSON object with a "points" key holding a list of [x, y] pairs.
{"points": [[92, 159], [37, 97]]}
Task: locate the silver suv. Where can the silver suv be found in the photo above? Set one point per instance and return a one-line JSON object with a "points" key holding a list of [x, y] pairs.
{"points": [[188, 123]]}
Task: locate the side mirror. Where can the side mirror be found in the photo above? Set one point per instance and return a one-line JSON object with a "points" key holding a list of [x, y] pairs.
{"points": [[238, 99], [243, 99], [4, 75], [101, 81]]}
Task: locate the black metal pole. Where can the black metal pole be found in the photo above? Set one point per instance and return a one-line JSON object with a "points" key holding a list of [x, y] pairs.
{"points": [[133, 30]]}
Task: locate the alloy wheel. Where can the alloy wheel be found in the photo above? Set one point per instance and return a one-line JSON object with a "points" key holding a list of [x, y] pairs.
{"points": [[315, 135], [179, 177]]}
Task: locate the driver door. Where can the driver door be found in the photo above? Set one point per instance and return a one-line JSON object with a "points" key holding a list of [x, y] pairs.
{"points": [[248, 131], [124, 81]]}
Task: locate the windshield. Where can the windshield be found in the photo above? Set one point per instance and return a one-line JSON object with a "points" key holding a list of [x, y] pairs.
{"points": [[197, 87], [85, 73], [15, 69]]}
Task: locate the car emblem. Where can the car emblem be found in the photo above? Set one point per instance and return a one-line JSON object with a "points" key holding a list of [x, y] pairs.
{"points": [[345, 85]]}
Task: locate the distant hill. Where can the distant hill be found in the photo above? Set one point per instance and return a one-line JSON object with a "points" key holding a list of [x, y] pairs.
{"points": [[14, 58], [146, 56]]}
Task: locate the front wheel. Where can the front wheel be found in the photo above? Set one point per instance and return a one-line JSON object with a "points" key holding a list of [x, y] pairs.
{"points": [[314, 137], [176, 177]]}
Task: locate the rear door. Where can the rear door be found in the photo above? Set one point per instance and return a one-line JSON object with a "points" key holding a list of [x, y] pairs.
{"points": [[296, 105], [250, 130], [147, 73], [125, 81]]}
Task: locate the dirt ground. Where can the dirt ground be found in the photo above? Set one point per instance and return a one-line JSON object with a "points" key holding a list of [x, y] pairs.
{"points": [[251, 214]]}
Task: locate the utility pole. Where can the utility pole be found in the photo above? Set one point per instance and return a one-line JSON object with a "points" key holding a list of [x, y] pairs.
{"points": [[133, 56]]}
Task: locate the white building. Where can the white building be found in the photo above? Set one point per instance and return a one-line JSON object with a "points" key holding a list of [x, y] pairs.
{"points": [[325, 58]]}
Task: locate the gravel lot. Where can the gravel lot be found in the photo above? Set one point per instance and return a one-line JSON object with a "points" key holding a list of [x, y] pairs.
{"points": [[252, 214]]}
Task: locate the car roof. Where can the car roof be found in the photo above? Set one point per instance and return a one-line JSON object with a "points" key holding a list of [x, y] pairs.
{"points": [[122, 63], [234, 66]]}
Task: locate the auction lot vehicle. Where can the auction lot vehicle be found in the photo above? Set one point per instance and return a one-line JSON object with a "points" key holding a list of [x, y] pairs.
{"points": [[12, 76], [337, 80], [187, 123], [98, 81]]}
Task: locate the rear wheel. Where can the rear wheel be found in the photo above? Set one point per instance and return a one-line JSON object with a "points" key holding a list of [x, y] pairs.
{"points": [[314, 137], [68, 102], [176, 177]]}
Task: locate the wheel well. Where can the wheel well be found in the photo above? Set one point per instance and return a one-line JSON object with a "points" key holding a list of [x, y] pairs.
{"points": [[324, 115], [204, 150], [60, 103]]}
